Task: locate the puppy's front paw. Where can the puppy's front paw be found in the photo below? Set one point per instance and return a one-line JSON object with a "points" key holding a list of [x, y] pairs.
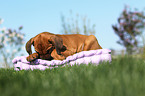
{"points": [[32, 57]]}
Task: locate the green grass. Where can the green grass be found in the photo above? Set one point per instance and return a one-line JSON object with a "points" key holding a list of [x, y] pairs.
{"points": [[123, 77]]}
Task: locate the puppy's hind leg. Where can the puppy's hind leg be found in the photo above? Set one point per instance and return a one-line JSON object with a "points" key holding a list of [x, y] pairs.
{"points": [[91, 43]]}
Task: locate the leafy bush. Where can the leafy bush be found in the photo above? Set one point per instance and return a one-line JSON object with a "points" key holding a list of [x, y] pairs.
{"points": [[130, 28]]}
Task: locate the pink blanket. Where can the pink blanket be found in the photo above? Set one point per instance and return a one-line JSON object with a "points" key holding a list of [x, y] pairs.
{"points": [[84, 57]]}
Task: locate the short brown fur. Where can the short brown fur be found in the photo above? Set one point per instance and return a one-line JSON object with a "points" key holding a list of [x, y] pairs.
{"points": [[50, 46]]}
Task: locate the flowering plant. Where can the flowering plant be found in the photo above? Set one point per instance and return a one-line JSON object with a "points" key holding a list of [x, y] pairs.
{"points": [[129, 28], [11, 42]]}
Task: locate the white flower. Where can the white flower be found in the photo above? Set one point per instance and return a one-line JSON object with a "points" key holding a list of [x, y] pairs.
{"points": [[7, 51], [21, 36], [6, 31], [13, 34], [14, 51], [10, 35], [5, 43], [18, 35], [1, 35], [8, 39]]}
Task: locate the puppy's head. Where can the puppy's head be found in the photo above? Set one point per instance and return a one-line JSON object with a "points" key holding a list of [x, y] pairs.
{"points": [[44, 44]]}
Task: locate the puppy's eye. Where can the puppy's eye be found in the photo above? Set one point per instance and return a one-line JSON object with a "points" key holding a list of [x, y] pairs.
{"points": [[50, 42], [33, 43]]}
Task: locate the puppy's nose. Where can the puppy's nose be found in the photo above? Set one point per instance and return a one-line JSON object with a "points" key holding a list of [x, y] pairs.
{"points": [[44, 56]]}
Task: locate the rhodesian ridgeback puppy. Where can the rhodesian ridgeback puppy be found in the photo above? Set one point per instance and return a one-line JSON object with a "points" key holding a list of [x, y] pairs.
{"points": [[50, 46]]}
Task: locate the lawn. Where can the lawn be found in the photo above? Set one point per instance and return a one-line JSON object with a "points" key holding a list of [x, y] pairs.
{"points": [[123, 77]]}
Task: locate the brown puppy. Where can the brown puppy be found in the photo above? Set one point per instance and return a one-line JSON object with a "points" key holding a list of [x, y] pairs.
{"points": [[50, 46]]}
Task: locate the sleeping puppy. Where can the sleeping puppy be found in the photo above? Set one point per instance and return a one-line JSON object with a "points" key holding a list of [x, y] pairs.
{"points": [[50, 46]]}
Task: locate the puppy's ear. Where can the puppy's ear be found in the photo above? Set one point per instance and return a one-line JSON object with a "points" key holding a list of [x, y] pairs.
{"points": [[58, 43], [28, 46]]}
